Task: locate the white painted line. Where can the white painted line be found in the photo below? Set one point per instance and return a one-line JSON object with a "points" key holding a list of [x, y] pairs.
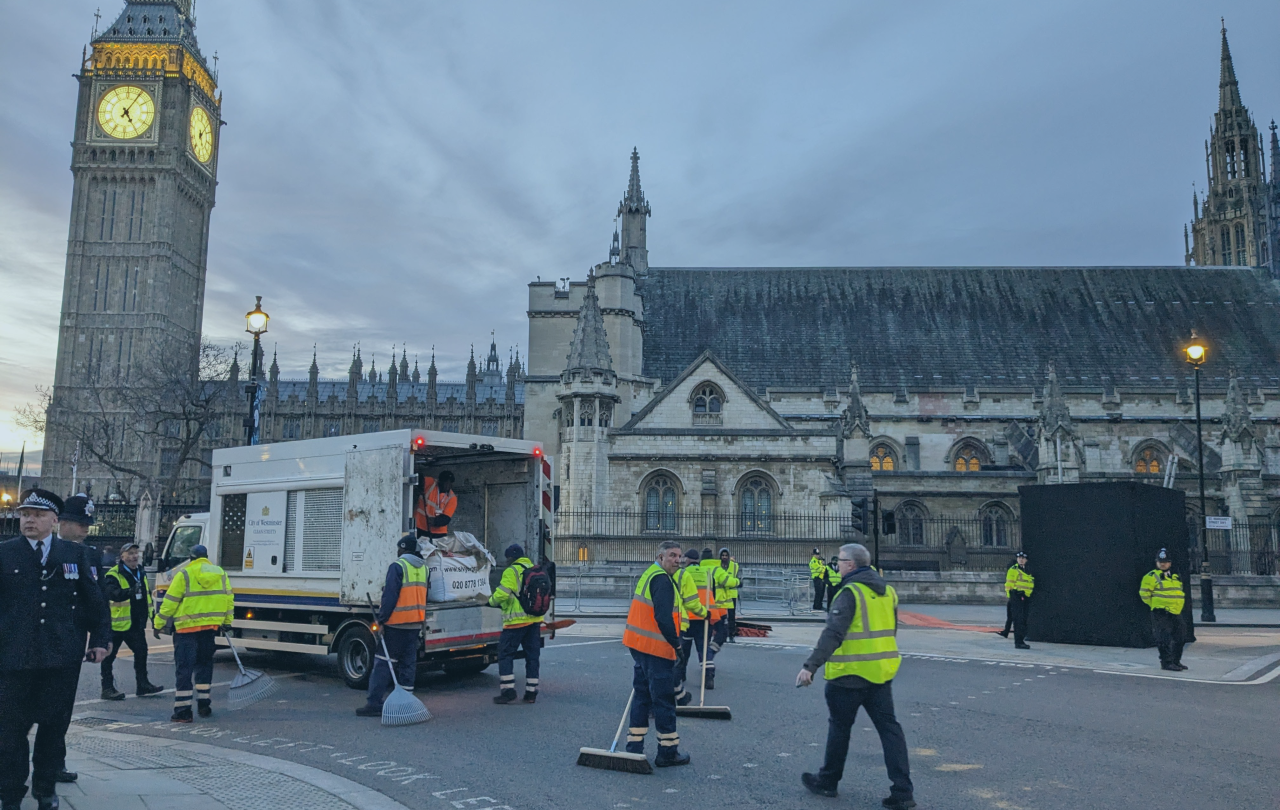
{"points": [[1270, 676], [1248, 668], [582, 643]]}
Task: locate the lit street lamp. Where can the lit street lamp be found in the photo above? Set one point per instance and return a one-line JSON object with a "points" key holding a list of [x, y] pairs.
{"points": [[255, 324], [1196, 353]]}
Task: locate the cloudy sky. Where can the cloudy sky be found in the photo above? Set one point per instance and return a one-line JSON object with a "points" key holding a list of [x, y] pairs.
{"points": [[396, 172]]}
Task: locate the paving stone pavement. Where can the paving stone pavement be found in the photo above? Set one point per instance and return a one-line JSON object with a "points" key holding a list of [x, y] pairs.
{"points": [[132, 772]]}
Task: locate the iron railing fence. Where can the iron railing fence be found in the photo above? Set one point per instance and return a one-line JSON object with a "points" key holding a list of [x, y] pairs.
{"points": [[1248, 547], [784, 540]]}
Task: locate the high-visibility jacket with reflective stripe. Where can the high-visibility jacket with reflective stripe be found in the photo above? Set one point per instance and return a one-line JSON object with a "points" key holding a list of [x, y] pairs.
{"points": [[120, 618], [817, 568], [701, 578], [1017, 579], [433, 503], [411, 606], [505, 597], [642, 632], [721, 581], [687, 595], [735, 573], [833, 576], [1162, 590], [870, 647], [199, 598]]}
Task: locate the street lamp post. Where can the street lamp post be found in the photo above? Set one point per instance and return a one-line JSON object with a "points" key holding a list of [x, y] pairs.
{"points": [[256, 325], [1196, 353]]}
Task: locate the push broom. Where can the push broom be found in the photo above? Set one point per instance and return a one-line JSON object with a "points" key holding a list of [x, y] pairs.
{"points": [[400, 708], [250, 686], [613, 759], [701, 710]]}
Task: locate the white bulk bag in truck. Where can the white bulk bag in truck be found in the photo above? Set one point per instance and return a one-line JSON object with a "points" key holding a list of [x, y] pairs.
{"points": [[459, 566]]}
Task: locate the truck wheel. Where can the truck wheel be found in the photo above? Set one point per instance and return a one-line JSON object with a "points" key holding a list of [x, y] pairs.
{"points": [[355, 657], [466, 666]]}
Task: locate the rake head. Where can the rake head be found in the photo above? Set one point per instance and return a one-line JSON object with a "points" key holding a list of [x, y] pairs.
{"points": [[403, 709], [250, 687]]}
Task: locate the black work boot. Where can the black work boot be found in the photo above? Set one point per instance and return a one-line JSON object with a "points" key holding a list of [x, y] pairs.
{"points": [[711, 679], [66, 777], [507, 696], [670, 757], [111, 693], [148, 688], [182, 715], [811, 781], [530, 697], [898, 803], [204, 708], [47, 802], [369, 711]]}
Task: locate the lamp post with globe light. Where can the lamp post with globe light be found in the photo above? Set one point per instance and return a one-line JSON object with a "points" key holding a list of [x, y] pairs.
{"points": [[256, 325], [1196, 354]]}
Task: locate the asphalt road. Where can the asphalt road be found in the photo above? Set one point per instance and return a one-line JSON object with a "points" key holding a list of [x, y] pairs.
{"points": [[981, 735]]}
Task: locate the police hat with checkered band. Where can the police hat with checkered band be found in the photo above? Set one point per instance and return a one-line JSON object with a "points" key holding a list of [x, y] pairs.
{"points": [[41, 499], [78, 509]]}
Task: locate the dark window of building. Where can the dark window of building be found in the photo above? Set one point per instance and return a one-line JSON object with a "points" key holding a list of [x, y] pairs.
{"points": [[168, 462], [756, 500], [882, 459], [291, 429], [333, 427], [910, 524], [1225, 233], [660, 505], [997, 523], [1244, 158], [371, 426], [1242, 252], [1231, 160]]}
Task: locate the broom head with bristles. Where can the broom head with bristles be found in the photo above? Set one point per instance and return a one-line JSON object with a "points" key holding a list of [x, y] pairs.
{"points": [[614, 760], [705, 712], [403, 709], [250, 687]]}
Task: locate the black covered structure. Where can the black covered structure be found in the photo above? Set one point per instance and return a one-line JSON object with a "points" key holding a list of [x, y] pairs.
{"points": [[1088, 546]]}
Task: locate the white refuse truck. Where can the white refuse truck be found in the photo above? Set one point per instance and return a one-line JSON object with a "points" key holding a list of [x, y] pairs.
{"points": [[306, 530]]}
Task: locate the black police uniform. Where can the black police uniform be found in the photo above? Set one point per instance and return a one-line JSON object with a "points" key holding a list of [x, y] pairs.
{"points": [[46, 611]]}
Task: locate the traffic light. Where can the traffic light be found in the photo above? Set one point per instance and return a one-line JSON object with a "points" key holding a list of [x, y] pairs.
{"points": [[858, 518]]}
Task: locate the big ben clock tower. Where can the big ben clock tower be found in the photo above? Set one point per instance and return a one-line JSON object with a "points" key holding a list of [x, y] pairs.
{"points": [[144, 167]]}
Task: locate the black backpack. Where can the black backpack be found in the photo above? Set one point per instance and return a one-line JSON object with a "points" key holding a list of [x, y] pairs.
{"points": [[535, 591]]}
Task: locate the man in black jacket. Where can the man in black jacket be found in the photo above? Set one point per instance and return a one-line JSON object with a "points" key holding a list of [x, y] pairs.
{"points": [[49, 603], [129, 599]]}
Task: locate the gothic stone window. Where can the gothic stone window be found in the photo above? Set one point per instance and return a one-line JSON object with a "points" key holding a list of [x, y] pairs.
{"points": [[450, 426], [882, 459], [1242, 256], [291, 429], [586, 413], [606, 414], [660, 505], [1148, 461], [968, 457], [1226, 244], [997, 525], [333, 427], [708, 401], [756, 501], [910, 518], [489, 427], [371, 426]]}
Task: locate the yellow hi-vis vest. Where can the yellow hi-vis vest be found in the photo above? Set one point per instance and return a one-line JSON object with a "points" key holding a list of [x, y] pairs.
{"points": [[817, 568], [199, 598], [120, 619], [1162, 590], [507, 595], [870, 647], [719, 582], [687, 595], [1017, 579], [734, 571]]}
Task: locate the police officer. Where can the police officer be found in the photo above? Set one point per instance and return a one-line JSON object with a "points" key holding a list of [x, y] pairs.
{"points": [[49, 603], [1018, 585], [402, 614], [1161, 591], [731, 567], [519, 630], [129, 596], [197, 605], [833, 580], [858, 651], [653, 636], [818, 573], [74, 520]]}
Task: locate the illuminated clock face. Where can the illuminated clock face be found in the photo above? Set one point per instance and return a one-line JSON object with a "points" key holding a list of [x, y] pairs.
{"points": [[126, 111], [201, 134]]}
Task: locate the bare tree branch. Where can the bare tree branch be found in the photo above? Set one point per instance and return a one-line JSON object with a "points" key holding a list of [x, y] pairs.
{"points": [[33, 416]]}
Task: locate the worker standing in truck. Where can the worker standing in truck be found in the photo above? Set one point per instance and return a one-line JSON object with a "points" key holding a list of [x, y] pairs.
{"points": [[436, 505]]}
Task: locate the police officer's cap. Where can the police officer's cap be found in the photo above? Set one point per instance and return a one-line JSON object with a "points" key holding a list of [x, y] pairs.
{"points": [[41, 499], [1021, 555], [408, 543], [77, 509], [1163, 556], [198, 551]]}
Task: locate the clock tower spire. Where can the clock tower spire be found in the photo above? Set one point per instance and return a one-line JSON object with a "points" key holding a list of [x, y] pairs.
{"points": [[144, 162]]}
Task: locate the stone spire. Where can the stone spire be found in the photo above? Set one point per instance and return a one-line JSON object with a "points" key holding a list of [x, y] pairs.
{"points": [[471, 377], [615, 249], [431, 380], [1055, 416], [391, 381], [273, 377], [404, 363], [492, 365], [1237, 422], [855, 418], [512, 371], [1228, 87], [634, 210], [233, 375], [417, 377], [589, 349], [353, 374], [373, 369], [313, 378]]}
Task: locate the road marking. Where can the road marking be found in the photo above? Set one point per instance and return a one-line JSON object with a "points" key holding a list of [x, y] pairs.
{"points": [[955, 767], [583, 644], [925, 752], [1248, 668], [170, 691], [1270, 676]]}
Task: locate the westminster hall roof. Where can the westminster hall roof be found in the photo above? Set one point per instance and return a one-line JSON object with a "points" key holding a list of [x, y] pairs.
{"points": [[941, 327]]}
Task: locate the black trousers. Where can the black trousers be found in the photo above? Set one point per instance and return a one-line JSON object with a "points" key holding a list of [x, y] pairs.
{"points": [[655, 694], [819, 592], [1008, 617], [1018, 609], [512, 639], [732, 629], [1169, 636], [136, 638], [402, 644], [192, 659], [41, 697], [842, 704]]}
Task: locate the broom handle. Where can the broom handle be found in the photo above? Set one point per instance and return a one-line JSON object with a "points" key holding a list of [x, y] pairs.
{"points": [[239, 665], [706, 635], [625, 712], [383, 639]]}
